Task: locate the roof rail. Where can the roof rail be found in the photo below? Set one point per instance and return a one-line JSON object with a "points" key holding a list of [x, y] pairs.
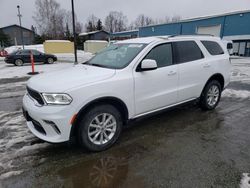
{"points": [[171, 36]]}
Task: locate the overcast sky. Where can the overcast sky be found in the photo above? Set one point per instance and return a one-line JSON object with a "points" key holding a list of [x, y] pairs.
{"points": [[131, 8]]}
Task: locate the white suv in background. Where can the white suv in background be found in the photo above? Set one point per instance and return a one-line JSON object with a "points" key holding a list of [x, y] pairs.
{"points": [[127, 80]]}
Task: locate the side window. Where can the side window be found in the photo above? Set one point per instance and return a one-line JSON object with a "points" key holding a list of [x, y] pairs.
{"points": [[213, 47], [186, 51], [162, 54], [25, 52], [35, 52]]}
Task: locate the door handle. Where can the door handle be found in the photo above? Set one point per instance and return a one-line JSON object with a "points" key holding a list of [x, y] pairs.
{"points": [[206, 65], [171, 73]]}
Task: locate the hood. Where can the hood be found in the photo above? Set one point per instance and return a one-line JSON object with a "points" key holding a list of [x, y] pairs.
{"points": [[66, 79]]}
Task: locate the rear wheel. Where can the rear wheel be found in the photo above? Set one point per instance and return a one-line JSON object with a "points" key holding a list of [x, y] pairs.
{"points": [[50, 60], [19, 62], [99, 128], [211, 95]]}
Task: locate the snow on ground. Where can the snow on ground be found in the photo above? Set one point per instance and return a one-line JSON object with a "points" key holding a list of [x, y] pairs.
{"points": [[240, 70], [245, 181], [64, 57], [12, 90], [240, 94], [64, 61], [14, 131], [11, 71], [68, 57]]}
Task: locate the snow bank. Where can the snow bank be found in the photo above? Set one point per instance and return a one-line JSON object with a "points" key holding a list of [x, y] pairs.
{"points": [[70, 57], [38, 47]]}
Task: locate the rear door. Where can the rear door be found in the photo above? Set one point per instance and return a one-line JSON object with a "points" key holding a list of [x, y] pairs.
{"points": [[193, 70], [156, 89]]}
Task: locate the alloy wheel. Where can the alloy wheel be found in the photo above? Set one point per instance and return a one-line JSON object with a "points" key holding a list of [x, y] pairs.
{"points": [[102, 128]]}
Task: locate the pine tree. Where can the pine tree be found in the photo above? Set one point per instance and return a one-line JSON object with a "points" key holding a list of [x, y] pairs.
{"points": [[4, 39], [67, 32], [99, 25]]}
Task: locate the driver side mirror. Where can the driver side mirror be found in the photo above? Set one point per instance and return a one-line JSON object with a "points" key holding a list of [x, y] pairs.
{"points": [[147, 65]]}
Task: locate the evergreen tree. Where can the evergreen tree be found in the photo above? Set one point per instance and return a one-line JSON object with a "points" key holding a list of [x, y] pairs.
{"points": [[67, 32], [4, 39], [99, 25], [90, 27]]}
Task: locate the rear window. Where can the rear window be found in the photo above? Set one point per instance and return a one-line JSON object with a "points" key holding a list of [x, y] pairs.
{"points": [[213, 47], [186, 51]]}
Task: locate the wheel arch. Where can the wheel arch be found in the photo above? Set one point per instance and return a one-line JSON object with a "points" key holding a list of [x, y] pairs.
{"points": [[116, 102], [219, 77]]}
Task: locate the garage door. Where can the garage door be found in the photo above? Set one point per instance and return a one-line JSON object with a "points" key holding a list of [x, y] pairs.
{"points": [[211, 30]]}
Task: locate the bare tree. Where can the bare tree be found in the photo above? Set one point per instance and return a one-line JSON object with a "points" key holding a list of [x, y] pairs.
{"points": [[49, 18], [91, 23], [53, 21], [143, 20], [68, 21], [115, 22]]}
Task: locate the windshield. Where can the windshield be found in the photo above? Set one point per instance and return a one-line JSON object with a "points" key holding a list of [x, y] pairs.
{"points": [[116, 56]]}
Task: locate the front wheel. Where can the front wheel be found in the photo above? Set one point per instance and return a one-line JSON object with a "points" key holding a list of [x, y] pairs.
{"points": [[19, 62], [100, 128], [211, 95]]}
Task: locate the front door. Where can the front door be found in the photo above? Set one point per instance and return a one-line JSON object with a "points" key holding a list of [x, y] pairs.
{"points": [[157, 89]]}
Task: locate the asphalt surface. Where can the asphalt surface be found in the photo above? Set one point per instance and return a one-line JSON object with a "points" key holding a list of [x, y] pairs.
{"points": [[181, 147]]}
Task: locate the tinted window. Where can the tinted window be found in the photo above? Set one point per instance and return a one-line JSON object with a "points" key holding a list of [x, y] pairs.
{"points": [[24, 52], [186, 51], [162, 54], [213, 47], [35, 52]]}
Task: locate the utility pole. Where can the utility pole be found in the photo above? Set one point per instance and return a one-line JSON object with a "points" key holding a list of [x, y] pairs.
{"points": [[74, 30], [20, 23]]}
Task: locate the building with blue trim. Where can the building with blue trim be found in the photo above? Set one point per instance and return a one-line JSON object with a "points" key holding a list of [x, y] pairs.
{"points": [[232, 26]]}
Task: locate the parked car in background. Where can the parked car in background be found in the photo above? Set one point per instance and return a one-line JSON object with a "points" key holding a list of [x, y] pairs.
{"points": [[127, 80], [20, 57]]}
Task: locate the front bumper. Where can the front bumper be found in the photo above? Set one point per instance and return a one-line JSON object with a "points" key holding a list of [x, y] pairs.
{"points": [[49, 123]]}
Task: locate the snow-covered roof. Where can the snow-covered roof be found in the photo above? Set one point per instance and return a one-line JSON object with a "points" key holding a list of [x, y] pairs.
{"points": [[91, 33], [57, 41]]}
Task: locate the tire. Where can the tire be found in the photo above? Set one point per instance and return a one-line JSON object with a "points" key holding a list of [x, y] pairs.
{"points": [[211, 95], [18, 62], [91, 133], [50, 60]]}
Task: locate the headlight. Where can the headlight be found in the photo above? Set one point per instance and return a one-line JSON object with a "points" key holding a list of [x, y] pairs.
{"points": [[62, 99]]}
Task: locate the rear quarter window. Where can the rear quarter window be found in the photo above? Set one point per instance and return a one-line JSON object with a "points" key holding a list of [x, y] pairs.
{"points": [[213, 47]]}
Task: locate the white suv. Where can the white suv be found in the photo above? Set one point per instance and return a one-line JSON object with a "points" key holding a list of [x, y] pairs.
{"points": [[127, 80]]}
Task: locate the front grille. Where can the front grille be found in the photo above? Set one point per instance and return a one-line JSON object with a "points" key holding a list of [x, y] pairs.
{"points": [[35, 95]]}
